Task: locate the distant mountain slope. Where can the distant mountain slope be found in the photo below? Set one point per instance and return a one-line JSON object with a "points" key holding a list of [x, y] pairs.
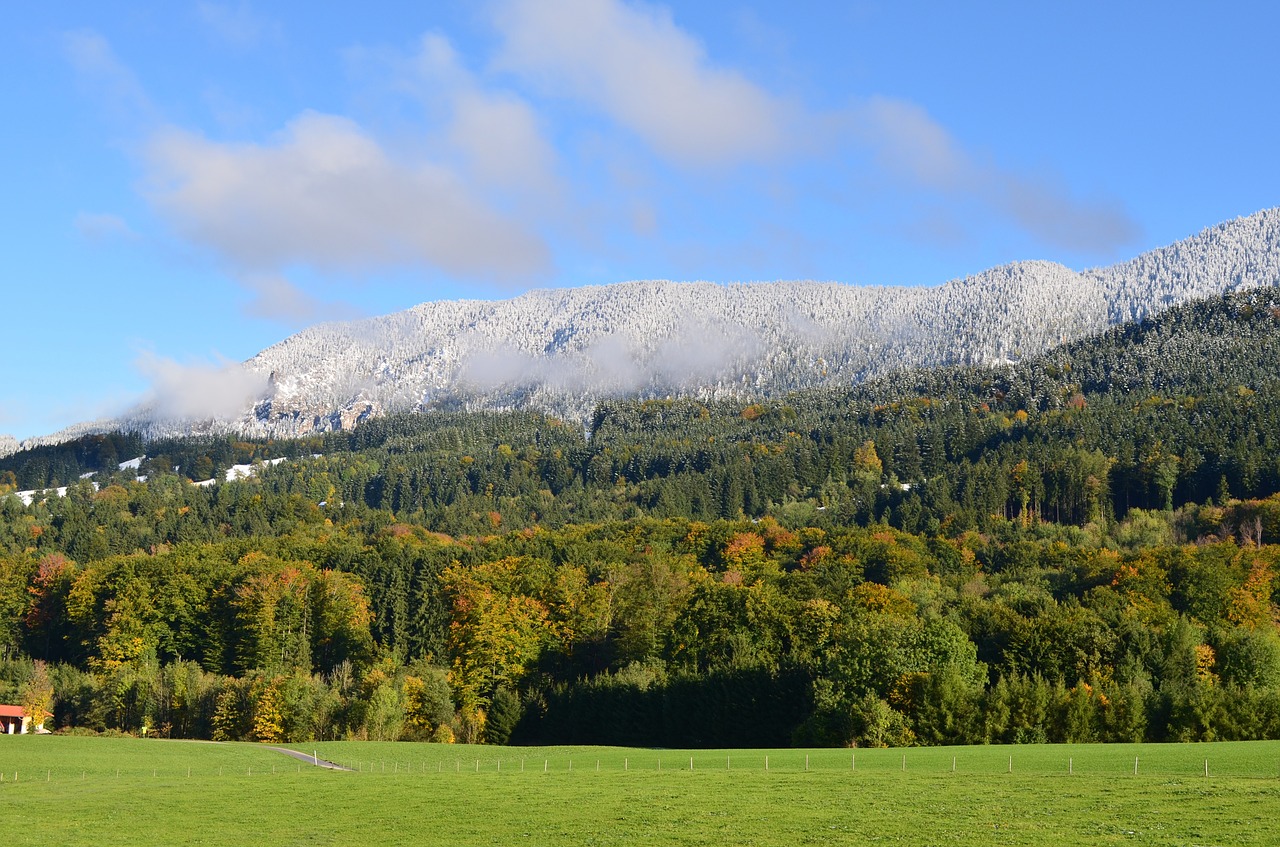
{"points": [[139, 421], [1200, 378], [563, 350], [1188, 350]]}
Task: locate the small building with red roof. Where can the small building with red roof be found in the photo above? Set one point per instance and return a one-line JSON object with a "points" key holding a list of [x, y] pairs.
{"points": [[15, 721]]}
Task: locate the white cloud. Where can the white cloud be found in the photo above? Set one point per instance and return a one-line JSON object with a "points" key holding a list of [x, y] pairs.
{"points": [[1049, 211], [635, 65], [650, 76], [911, 144], [325, 194], [100, 69], [200, 390], [908, 141], [102, 226], [494, 133], [484, 178], [276, 298], [643, 218], [229, 113], [237, 25], [690, 354]]}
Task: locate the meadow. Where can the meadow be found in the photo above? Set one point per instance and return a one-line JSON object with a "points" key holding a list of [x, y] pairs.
{"points": [[109, 791]]}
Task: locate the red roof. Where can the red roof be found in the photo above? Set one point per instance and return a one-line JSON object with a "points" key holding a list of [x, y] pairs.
{"points": [[12, 712]]}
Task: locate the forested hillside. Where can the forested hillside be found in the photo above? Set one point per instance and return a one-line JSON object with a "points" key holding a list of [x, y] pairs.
{"points": [[1076, 547]]}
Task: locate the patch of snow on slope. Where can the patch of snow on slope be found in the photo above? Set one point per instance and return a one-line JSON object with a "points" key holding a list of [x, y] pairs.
{"points": [[239, 472]]}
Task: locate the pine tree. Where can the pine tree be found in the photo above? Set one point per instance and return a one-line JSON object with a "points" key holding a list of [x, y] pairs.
{"points": [[504, 714]]}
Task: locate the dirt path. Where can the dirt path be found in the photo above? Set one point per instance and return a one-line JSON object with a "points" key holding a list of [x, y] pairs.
{"points": [[310, 759]]}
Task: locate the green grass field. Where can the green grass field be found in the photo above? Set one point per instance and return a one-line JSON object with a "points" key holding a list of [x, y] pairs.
{"points": [[91, 791]]}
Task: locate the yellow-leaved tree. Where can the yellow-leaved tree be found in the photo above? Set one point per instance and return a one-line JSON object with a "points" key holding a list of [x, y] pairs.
{"points": [[37, 695], [495, 637], [268, 718]]}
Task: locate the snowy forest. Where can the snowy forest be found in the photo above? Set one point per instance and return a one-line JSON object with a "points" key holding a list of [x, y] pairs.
{"points": [[561, 352]]}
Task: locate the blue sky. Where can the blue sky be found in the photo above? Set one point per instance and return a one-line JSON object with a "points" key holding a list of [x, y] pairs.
{"points": [[188, 183]]}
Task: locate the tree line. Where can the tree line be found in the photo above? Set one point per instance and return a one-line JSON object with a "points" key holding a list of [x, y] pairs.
{"points": [[666, 632]]}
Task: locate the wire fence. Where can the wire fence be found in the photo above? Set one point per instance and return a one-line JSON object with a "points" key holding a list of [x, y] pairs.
{"points": [[1163, 762]]}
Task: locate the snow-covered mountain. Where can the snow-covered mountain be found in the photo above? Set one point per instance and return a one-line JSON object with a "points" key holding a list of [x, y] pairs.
{"points": [[562, 350], [139, 421]]}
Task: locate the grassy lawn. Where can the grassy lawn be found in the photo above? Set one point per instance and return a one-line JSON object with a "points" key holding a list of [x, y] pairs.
{"points": [[78, 791]]}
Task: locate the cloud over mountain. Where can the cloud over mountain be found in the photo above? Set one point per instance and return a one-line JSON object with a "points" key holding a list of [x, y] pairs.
{"points": [[563, 350], [325, 193], [634, 64]]}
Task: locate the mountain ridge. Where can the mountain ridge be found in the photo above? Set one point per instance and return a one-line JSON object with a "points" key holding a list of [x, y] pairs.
{"points": [[1200, 378], [563, 350]]}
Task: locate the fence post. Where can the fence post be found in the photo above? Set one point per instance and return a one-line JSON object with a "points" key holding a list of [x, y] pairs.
{"points": [[1135, 765]]}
